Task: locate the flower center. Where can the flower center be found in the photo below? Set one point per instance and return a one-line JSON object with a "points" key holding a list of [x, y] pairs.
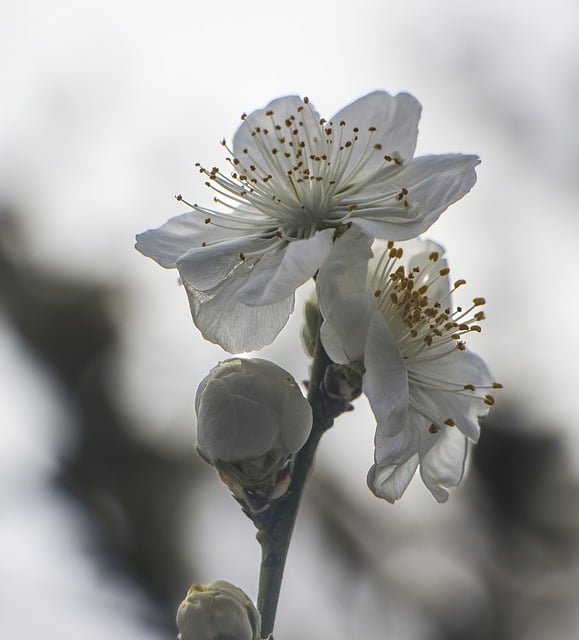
{"points": [[425, 325], [302, 174], [417, 319]]}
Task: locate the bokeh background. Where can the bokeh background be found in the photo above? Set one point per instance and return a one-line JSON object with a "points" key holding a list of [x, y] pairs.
{"points": [[107, 515]]}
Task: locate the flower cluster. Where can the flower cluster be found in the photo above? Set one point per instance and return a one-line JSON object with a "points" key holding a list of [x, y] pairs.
{"points": [[307, 197], [295, 180]]}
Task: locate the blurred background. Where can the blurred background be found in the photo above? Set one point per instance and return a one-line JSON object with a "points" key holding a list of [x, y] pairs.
{"points": [[107, 514]]}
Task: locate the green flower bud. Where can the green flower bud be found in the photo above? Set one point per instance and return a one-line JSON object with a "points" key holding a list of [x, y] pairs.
{"points": [[219, 611], [251, 419]]}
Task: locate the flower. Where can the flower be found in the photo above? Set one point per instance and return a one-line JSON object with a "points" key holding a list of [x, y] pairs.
{"points": [[392, 313], [251, 419], [216, 612], [295, 178]]}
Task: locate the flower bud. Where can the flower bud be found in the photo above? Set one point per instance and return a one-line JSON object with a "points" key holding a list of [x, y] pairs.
{"points": [[219, 611], [251, 418]]}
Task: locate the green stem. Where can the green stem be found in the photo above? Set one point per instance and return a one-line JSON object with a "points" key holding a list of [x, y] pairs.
{"points": [[275, 538]]}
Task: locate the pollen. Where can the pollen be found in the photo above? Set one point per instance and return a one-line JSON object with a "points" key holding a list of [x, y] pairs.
{"points": [[302, 174], [426, 326], [420, 320]]}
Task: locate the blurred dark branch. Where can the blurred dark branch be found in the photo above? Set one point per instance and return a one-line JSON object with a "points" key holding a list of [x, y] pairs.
{"points": [[131, 493]]}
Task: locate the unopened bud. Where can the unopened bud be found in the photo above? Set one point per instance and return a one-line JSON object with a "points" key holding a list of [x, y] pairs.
{"points": [[219, 611], [251, 418]]}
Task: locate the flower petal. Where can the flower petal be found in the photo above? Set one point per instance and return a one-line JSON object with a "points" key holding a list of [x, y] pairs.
{"points": [[396, 460], [277, 275], [225, 416], [417, 253], [385, 380], [246, 145], [395, 120], [443, 463], [438, 286], [345, 303], [452, 372], [433, 183], [345, 326], [223, 319], [205, 267], [344, 270], [177, 236], [296, 413]]}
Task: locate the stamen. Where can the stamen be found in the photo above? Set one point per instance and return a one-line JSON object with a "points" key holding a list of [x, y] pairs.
{"points": [[301, 175], [425, 328]]}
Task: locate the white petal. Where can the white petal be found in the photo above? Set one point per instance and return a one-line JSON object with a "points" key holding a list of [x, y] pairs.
{"points": [[434, 183], [214, 421], [205, 267], [253, 442], [417, 253], [443, 464], [226, 420], [438, 286], [177, 236], [344, 270], [345, 303], [283, 108], [456, 369], [391, 482], [345, 327], [396, 459], [297, 419], [395, 119], [385, 380], [236, 327], [277, 275]]}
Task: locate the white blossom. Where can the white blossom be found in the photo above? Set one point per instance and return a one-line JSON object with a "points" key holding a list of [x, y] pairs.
{"points": [[295, 178], [392, 313]]}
